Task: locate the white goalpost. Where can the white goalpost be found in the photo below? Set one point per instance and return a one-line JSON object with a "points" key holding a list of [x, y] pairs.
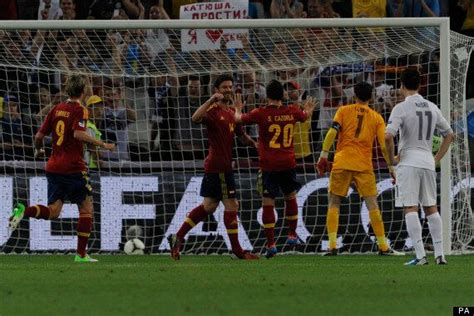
{"points": [[151, 75]]}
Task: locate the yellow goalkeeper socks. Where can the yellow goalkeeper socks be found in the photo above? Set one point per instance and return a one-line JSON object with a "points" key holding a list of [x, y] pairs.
{"points": [[379, 230], [332, 223]]}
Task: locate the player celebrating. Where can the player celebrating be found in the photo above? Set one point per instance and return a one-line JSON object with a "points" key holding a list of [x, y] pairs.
{"points": [[277, 157], [417, 119], [66, 170], [356, 127], [218, 183]]}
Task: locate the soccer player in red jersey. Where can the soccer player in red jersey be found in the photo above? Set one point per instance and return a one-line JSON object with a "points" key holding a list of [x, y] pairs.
{"points": [[276, 123], [66, 170], [218, 183]]}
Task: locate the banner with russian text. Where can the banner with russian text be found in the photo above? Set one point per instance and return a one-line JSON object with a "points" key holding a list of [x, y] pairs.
{"points": [[212, 39]]}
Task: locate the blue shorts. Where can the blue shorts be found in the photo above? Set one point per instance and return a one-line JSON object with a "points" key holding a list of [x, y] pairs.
{"points": [[75, 187], [220, 186], [269, 183]]}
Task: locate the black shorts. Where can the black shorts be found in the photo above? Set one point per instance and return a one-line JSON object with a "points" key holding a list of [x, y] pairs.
{"points": [[74, 187], [220, 186], [269, 183]]}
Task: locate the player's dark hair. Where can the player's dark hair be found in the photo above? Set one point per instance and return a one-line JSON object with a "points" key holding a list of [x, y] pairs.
{"points": [[410, 79], [274, 90], [75, 86], [363, 91], [193, 78], [221, 79]]}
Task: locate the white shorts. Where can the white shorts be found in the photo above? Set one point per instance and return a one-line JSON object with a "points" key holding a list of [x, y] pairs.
{"points": [[415, 186]]}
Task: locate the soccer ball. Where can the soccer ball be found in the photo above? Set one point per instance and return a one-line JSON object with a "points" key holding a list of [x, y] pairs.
{"points": [[134, 247]]}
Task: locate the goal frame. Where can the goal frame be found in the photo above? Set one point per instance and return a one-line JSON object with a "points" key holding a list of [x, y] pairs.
{"points": [[441, 22]]}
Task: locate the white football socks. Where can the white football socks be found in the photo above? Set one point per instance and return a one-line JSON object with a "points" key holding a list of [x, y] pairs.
{"points": [[414, 232], [436, 229]]}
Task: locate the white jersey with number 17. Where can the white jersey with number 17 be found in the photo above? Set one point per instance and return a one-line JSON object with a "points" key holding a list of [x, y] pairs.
{"points": [[417, 120]]}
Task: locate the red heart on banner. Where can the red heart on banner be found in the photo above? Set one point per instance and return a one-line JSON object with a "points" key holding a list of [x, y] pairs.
{"points": [[214, 35]]}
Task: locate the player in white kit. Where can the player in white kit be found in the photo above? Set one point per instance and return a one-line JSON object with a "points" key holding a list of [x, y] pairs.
{"points": [[417, 120]]}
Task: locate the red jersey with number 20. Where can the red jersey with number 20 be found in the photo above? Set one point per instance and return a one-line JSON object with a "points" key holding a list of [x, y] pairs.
{"points": [[221, 128], [275, 135], [68, 152]]}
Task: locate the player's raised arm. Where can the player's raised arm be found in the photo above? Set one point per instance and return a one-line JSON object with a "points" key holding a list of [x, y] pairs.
{"points": [[201, 111], [238, 106]]}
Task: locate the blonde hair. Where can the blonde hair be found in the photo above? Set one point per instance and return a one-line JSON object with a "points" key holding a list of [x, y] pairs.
{"points": [[75, 86]]}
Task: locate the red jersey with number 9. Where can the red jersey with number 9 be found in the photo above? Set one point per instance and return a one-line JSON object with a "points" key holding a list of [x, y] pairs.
{"points": [[275, 135], [68, 152]]}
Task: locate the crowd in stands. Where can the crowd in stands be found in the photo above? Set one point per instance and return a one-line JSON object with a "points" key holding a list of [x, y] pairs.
{"points": [[141, 79]]}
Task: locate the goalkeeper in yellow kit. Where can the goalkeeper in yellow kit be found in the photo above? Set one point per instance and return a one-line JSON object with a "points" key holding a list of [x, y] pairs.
{"points": [[356, 127]]}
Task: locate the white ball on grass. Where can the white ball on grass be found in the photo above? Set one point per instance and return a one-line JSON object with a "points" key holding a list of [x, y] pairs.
{"points": [[134, 247]]}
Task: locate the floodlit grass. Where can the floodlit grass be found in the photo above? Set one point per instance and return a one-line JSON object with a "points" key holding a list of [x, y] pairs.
{"points": [[216, 285]]}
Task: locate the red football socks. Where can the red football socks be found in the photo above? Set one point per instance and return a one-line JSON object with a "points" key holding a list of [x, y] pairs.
{"points": [[291, 212], [268, 219], [193, 218], [37, 211], [232, 226], [84, 228]]}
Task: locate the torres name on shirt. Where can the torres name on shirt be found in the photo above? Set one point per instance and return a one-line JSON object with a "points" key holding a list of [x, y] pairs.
{"points": [[68, 152]]}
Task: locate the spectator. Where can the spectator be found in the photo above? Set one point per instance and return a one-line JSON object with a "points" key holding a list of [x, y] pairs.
{"points": [[329, 90], [156, 39], [8, 10], [135, 51], [12, 77], [17, 132], [462, 20], [286, 9], [118, 115], [256, 9], [188, 137], [116, 9], [68, 10], [48, 10], [44, 103], [321, 9], [418, 8], [301, 133], [371, 9], [385, 94], [162, 93], [112, 53], [104, 9], [134, 8], [462, 17]]}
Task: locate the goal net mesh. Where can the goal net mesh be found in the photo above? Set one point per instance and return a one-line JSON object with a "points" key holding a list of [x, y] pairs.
{"points": [[150, 81]]}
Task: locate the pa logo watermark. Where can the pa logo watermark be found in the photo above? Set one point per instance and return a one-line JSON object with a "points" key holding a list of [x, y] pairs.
{"points": [[463, 310]]}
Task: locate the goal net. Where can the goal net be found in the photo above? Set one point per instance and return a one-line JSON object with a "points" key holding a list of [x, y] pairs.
{"points": [[148, 77]]}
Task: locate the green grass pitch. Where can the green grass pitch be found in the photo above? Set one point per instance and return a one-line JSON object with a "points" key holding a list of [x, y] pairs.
{"points": [[217, 285]]}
